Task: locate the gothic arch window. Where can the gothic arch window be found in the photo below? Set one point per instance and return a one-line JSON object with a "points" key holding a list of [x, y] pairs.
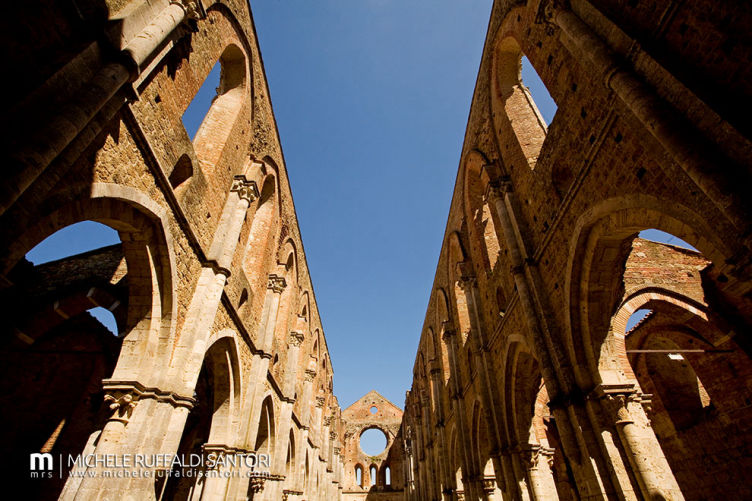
{"points": [[359, 475], [216, 125], [479, 213], [457, 260], [260, 237], [372, 471], [513, 103]]}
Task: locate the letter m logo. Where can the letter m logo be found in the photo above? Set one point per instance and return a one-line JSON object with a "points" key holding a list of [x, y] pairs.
{"points": [[40, 461]]}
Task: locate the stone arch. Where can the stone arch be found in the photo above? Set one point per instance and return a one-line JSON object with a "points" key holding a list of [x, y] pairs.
{"points": [[614, 366], [478, 213], [458, 267], [442, 319], [265, 436], [212, 425], [514, 110], [234, 85], [688, 363], [263, 228], [290, 459], [598, 250], [222, 356], [287, 267], [148, 250]]}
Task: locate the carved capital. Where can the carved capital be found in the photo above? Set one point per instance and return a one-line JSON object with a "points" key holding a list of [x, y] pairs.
{"points": [[615, 400], [257, 483], [333, 435], [337, 451], [328, 421], [296, 338], [121, 405], [245, 189], [194, 9], [122, 397], [276, 283], [320, 402], [546, 14], [489, 484], [310, 375]]}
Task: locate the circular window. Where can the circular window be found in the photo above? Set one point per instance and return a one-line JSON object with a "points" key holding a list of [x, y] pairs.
{"points": [[373, 441], [374, 410]]}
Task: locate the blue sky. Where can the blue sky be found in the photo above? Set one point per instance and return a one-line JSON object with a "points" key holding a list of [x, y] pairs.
{"points": [[371, 100]]}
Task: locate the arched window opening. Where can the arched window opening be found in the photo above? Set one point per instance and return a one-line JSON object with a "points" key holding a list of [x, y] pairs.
{"points": [[211, 422], [181, 173], [106, 318], [196, 112], [373, 474], [214, 109], [662, 237], [682, 393], [514, 100], [387, 476], [373, 441], [359, 475], [637, 317], [542, 100], [257, 247], [483, 233], [265, 434], [290, 460], [75, 239]]}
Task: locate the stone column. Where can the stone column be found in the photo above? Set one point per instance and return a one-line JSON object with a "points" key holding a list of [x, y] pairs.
{"points": [[450, 338], [317, 422], [284, 422], [621, 405], [559, 385], [258, 375], [540, 477], [485, 366]]}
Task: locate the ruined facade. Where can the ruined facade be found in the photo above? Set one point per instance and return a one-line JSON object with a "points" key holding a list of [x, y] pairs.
{"points": [[219, 349], [380, 477], [527, 384]]}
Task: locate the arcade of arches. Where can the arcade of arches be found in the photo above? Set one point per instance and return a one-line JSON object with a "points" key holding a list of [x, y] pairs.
{"points": [[562, 355]]}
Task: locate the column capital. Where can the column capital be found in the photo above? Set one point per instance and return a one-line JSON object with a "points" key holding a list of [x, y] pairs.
{"points": [[489, 484], [276, 283], [296, 338], [332, 435], [246, 190], [547, 13], [123, 396], [320, 402], [310, 375], [194, 9], [615, 400]]}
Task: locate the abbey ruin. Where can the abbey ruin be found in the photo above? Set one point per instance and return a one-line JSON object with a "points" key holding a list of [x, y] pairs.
{"points": [[527, 384]]}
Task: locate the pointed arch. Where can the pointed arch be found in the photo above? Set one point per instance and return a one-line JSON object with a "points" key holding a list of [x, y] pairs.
{"points": [[478, 213]]}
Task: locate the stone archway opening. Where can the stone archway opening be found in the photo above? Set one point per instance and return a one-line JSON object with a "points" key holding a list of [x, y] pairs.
{"points": [[373, 441]]}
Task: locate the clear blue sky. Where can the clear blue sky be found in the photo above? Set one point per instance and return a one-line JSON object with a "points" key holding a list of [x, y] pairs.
{"points": [[371, 99]]}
